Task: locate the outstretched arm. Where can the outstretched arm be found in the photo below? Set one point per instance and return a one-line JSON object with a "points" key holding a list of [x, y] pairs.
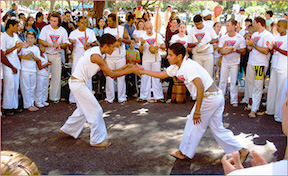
{"points": [[161, 75]]}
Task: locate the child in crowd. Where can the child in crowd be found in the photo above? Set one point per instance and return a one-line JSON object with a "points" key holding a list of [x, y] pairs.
{"points": [[29, 56], [42, 78], [132, 57]]}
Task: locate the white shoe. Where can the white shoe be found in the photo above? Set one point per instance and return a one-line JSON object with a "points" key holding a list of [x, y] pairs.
{"points": [[235, 105], [39, 105], [45, 103]]}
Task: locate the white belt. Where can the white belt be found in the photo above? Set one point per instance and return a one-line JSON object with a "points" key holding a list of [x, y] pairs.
{"points": [[207, 94]]}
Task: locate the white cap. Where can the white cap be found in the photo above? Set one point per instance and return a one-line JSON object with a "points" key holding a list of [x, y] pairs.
{"points": [[206, 12]]}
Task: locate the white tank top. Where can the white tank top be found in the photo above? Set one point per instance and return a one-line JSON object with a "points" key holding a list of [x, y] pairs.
{"points": [[116, 54], [85, 69]]}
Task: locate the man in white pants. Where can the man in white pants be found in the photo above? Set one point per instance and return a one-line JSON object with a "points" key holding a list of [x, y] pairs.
{"points": [[231, 59], [116, 60], [148, 47], [257, 64], [198, 36], [88, 108], [55, 38], [278, 71], [208, 109]]}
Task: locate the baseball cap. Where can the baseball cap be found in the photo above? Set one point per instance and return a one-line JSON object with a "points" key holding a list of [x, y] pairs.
{"points": [[206, 13], [242, 9]]}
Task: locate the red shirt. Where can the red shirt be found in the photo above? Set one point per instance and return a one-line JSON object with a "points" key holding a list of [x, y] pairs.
{"points": [[40, 25]]}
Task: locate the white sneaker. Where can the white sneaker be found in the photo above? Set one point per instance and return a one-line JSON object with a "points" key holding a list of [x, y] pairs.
{"points": [[39, 105], [45, 103]]}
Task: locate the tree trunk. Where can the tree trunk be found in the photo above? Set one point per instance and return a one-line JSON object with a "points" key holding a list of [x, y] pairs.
{"points": [[52, 3], [98, 9], [69, 4]]}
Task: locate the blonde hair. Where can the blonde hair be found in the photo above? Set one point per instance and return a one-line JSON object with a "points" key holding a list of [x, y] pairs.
{"points": [[13, 163]]}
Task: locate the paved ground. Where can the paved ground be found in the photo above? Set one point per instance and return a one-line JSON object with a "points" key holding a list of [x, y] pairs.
{"points": [[143, 135]]}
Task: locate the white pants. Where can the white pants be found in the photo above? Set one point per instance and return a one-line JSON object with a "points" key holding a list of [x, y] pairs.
{"points": [[27, 87], [216, 66], [115, 64], [41, 89], [233, 71], [88, 109], [10, 88], [55, 69], [145, 88], [282, 99], [276, 84], [206, 61], [211, 114]]}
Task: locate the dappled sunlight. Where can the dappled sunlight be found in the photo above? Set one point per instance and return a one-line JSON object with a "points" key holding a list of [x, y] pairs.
{"points": [[107, 113], [141, 112], [178, 119]]}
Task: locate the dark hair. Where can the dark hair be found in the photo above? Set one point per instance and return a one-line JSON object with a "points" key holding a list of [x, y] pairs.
{"points": [[97, 25], [217, 23], [177, 49], [30, 33], [113, 16], [250, 26], [38, 14], [197, 18], [12, 21], [269, 12], [132, 38], [143, 16], [67, 12], [130, 17], [33, 25], [260, 20], [248, 19], [232, 21], [57, 15], [5, 17], [21, 14], [107, 39], [79, 18]]}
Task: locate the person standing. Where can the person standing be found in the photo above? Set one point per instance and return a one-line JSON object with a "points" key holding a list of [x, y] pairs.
{"points": [[13, 11], [116, 60], [207, 17], [55, 38], [40, 23], [269, 20], [130, 26]]}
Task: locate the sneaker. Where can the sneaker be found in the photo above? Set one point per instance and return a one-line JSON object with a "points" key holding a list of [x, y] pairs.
{"points": [[45, 103], [39, 105], [235, 105], [57, 101]]}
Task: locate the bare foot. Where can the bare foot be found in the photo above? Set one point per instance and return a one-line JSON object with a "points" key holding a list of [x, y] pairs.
{"points": [[252, 114], [102, 144], [62, 132], [178, 154], [31, 109], [243, 154], [247, 109]]}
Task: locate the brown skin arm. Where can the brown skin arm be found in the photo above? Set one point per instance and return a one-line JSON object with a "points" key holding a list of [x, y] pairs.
{"points": [[6, 62], [126, 38], [262, 49], [200, 92], [161, 75], [213, 41], [280, 50], [42, 42]]}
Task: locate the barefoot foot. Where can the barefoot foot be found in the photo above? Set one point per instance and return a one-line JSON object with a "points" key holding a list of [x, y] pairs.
{"points": [[62, 132], [252, 114], [102, 144], [178, 154]]}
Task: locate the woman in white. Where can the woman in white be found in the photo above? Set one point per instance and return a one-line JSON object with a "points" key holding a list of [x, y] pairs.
{"points": [[29, 56], [9, 45], [217, 56], [181, 37], [138, 32], [78, 41], [55, 38]]}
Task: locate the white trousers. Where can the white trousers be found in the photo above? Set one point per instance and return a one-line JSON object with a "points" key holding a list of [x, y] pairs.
{"points": [[27, 87], [206, 61], [10, 88], [216, 66], [276, 84], [88, 109], [41, 89], [146, 81], [231, 70], [282, 99], [211, 114], [55, 69], [115, 64]]}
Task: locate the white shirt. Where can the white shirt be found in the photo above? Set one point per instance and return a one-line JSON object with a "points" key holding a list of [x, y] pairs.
{"points": [[113, 31], [206, 33], [80, 40], [209, 23], [50, 35], [43, 71], [8, 42], [239, 18], [150, 40], [279, 61], [138, 33], [216, 53], [85, 69], [176, 38], [238, 42], [255, 57], [29, 65], [188, 71]]}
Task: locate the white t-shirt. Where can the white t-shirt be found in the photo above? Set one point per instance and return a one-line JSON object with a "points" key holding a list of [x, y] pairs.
{"points": [[80, 40], [216, 53], [188, 71], [43, 71], [206, 34], [176, 38], [8, 42], [239, 18], [50, 35], [238, 42], [29, 65], [243, 31], [150, 40], [279, 61], [255, 57], [138, 33], [209, 23], [116, 54], [85, 69]]}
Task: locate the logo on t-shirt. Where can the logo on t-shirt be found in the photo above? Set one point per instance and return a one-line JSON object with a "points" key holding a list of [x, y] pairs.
{"points": [[82, 40], [278, 44], [151, 41], [256, 39], [230, 42], [131, 56], [116, 36], [199, 36], [182, 42], [181, 77], [54, 38]]}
